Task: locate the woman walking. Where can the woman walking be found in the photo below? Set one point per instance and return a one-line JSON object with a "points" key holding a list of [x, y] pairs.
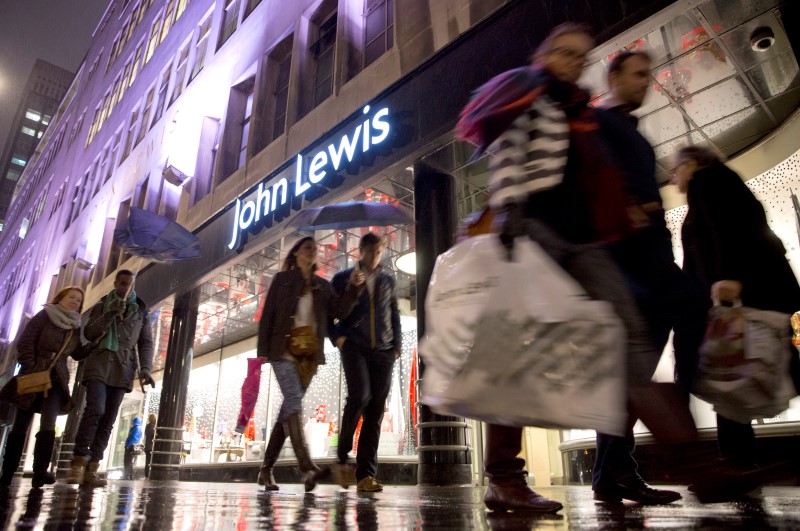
{"points": [[51, 335], [731, 252], [291, 333]]}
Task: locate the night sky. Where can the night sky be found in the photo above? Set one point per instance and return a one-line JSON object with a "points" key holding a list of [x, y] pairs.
{"points": [[57, 31]]}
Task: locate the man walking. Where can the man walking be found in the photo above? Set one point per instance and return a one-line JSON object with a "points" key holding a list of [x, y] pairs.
{"points": [[662, 292], [369, 341], [119, 321]]}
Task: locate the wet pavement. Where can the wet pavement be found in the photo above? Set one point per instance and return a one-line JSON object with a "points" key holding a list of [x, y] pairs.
{"points": [[187, 505]]}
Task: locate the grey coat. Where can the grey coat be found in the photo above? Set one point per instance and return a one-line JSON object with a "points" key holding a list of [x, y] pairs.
{"points": [[118, 369]]}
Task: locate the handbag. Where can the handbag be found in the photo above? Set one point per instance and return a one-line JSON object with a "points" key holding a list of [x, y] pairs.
{"points": [[39, 381], [303, 341], [137, 449]]}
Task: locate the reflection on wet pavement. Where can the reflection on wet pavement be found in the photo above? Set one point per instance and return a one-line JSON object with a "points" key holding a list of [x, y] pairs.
{"points": [[186, 505]]}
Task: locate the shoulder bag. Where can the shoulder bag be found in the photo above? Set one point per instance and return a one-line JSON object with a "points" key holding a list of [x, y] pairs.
{"points": [[39, 382]]}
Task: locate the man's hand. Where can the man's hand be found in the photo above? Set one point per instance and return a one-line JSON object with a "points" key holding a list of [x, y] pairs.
{"points": [[340, 342], [116, 306], [146, 378], [726, 291], [357, 277]]}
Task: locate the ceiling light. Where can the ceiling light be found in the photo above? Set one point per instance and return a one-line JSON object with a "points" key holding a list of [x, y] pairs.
{"points": [[762, 39], [407, 263]]}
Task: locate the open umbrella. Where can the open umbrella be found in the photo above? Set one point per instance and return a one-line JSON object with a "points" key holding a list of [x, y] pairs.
{"points": [[350, 214], [157, 238]]}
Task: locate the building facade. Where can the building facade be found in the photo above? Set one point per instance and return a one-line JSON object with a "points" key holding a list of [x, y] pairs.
{"points": [[230, 116], [41, 97]]}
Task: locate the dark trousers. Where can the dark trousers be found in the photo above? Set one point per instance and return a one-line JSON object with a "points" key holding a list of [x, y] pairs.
{"points": [[669, 302], [368, 374], [503, 445], [102, 406], [737, 442], [147, 455], [128, 463]]}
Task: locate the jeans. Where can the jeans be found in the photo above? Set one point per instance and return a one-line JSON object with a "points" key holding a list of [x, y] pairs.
{"points": [[368, 374], [102, 406], [292, 389], [128, 463]]}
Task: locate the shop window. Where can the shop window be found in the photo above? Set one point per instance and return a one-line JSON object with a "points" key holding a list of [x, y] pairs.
{"points": [[201, 47], [323, 52], [378, 29], [230, 21]]}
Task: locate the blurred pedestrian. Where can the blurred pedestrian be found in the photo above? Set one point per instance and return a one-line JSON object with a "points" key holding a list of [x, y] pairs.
{"points": [[553, 181], [131, 443], [49, 337], [149, 437], [731, 252], [369, 341], [291, 333], [120, 328]]}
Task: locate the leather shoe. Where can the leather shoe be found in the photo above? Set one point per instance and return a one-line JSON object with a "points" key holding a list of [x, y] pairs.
{"points": [[515, 495], [635, 489]]}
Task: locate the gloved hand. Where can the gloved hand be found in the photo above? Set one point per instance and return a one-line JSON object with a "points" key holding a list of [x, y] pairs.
{"points": [[116, 306], [146, 378], [512, 225]]}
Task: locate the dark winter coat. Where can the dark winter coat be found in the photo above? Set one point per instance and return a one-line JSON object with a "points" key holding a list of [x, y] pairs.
{"points": [[149, 436], [374, 323], [726, 237], [277, 318], [41, 339], [118, 369]]}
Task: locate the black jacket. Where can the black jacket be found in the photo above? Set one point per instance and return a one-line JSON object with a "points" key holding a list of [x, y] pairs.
{"points": [[726, 237], [149, 436], [277, 319], [374, 323]]}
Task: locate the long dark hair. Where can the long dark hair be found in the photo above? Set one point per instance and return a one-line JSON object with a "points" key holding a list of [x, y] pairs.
{"points": [[290, 262]]}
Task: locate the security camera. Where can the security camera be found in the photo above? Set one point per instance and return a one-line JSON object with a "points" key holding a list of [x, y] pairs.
{"points": [[762, 39]]}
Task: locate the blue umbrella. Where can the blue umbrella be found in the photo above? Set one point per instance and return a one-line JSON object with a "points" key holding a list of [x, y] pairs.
{"points": [[157, 238], [350, 214]]}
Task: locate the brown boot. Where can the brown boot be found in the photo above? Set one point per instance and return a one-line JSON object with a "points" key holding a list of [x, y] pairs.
{"points": [[76, 470], [513, 494], [273, 449], [91, 478], [311, 473]]}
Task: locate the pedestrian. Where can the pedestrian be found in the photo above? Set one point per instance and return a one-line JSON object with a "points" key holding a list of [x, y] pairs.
{"points": [[120, 327], [369, 341], [131, 443], [291, 333], [731, 252], [54, 332], [149, 437], [663, 293], [553, 181]]}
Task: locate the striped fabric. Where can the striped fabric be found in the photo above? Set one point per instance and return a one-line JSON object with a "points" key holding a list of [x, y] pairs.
{"points": [[529, 156]]}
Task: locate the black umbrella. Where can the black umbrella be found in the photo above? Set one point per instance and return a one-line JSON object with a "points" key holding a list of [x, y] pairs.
{"points": [[157, 238], [350, 214]]}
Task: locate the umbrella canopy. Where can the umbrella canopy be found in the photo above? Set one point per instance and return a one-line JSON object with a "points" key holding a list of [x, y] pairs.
{"points": [[350, 214], [155, 237]]}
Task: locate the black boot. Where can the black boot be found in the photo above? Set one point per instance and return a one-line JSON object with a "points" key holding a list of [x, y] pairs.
{"points": [[13, 453], [276, 440], [42, 454], [311, 473]]}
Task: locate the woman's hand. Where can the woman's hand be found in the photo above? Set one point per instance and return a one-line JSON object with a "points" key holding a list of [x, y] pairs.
{"points": [[726, 290]]}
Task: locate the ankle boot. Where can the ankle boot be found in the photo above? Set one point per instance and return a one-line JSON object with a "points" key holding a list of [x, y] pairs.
{"points": [[13, 453], [276, 440], [42, 454], [77, 468], [512, 493], [91, 478], [311, 473]]}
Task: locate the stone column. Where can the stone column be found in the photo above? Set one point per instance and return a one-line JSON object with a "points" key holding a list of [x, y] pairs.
{"points": [[168, 443], [445, 457]]}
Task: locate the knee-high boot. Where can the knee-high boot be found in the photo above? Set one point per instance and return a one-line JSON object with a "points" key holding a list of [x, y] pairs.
{"points": [[13, 453], [276, 440], [311, 473], [42, 454]]}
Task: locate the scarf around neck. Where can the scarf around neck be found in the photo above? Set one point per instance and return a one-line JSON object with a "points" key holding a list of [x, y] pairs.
{"points": [[63, 318], [111, 339]]}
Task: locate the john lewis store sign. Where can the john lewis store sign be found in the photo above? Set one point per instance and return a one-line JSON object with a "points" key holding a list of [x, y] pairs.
{"points": [[251, 214]]}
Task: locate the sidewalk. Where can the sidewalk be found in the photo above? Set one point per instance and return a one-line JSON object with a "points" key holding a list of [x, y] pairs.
{"points": [[220, 506]]}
